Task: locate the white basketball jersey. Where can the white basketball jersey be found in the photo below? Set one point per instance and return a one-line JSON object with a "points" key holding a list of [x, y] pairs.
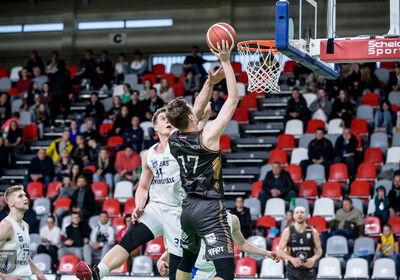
{"points": [[166, 185], [19, 243]]}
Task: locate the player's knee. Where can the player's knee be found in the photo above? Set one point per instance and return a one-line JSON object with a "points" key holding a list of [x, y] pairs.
{"points": [[174, 262], [188, 261], [225, 268]]}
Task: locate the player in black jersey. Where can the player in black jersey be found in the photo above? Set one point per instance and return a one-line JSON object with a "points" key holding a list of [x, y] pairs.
{"points": [[300, 240], [198, 154]]}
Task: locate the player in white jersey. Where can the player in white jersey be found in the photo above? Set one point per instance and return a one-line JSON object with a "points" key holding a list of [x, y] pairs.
{"points": [[205, 270], [160, 174], [14, 239]]}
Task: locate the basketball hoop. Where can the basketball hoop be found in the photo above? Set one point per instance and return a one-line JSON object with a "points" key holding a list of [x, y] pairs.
{"points": [[263, 65]]}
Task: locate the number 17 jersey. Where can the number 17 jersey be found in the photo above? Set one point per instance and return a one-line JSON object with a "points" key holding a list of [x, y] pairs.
{"points": [[201, 174]]}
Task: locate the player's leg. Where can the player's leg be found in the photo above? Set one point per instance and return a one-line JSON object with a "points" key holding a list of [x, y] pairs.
{"points": [[186, 265], [174, 262], [225, 269]]}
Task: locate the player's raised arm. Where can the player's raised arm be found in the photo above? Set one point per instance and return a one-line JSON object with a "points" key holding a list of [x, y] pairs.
{"points": [[214, 130]]}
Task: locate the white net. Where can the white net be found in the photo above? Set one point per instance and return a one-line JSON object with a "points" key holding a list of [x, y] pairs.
{"points": [[263, 65]]}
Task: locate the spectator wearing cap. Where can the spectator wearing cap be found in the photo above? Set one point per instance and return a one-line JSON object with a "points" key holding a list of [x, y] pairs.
{"points": [[394, 78], [382, 204], [297, 108], [138, 65], [91, 132], [133, 135], [58, 145], [50, 236], [394, 197], [345, 150], [95, 110], [126, 162], [41, 169]]}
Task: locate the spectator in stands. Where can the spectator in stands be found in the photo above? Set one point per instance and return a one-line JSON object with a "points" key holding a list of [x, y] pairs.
{"points": [[62, 88], [121, 68], [39, 78], [166, 91], [316, 80], [277, 183], [388, 247], [50, 236], [195, 62], [104, 168], [63, 166], [76, 171], [83, 199], [127, 95], [115, 109], [288, 220], [42, 119], [86, 68], [13, 142], [342, 108], [354, 81], [133, 135], [104, 72], [6, 125], [102, 237], [152, 105], [79, 150], [394, 197], [5, 108], [91, 132], [145, 93], [77, 242], [297, 108], [320, 151], [368, 81], [73, 132], [52, 64], [31, 219], [92, 152], [138, 65], [35, 61], [3, 154], [64, 189], [126, 162], [122, 231], [381, 205], [121, 123], [394, 78], [191, 82], [385, 118], [335, 86], [45, 96], [136, 106], [33, 93], [243, 213], [24, 83], [95, 110], [345, 150], [348, 222], [216, 103], [221, 86], [41, 169], [58, 145], [321, 108]]}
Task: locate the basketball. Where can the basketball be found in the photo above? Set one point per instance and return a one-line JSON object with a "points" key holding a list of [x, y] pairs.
{"points": [[218, 32]]}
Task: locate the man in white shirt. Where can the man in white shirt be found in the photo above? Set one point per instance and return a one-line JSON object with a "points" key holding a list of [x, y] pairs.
{"points": [[50, 236], [138, 65]]}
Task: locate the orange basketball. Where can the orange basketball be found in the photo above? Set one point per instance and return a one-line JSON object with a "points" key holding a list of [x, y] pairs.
{"points": [[218, 32]]}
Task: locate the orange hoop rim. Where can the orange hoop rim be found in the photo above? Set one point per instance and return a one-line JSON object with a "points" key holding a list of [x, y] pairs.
{"points": [[265, 43]]}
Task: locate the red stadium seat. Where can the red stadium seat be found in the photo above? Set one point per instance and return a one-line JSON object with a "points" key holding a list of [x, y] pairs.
{"points": [[243, 78], [118, 223], [130, 205], [318, 222], [64, 202], [387, 65], [170, 77], [114, 141], [332, 190], [366, 171], [266, 221], [158, 69], [371, 99], [105, 128], [236, 250], [295, 173], [68, 264], [34, 190], [286, 142], [122, 270], [360, 127], [181, 78], [178, 90], [225, 144], [308, 189], [52, 189], [275, 243], [241, 116], [395, 108], [155, 248], [30, 132], [72, 70], [246, 267], [92, 168], [150, 77], [100, 190], [338, 172], [360, 189], [359, 144], [112, 206], [3, 72], [237, 67], [225, 97], [12, 92], [372, 226], [256, 188], [314, 124], [288, 67], [249, 102], [278, 155], [395, 223], [374, 155]]}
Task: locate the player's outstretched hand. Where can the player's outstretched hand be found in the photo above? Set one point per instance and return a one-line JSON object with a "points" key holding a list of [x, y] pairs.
{"points": [[224, 51], [216, 77], [163, 267], [274, 255], [137, 213], [309, 263], [296, 262]]}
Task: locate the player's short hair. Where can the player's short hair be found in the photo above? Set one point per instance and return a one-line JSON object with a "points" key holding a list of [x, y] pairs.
{"points": [[155, 116], [11, 190], [178, 112]]}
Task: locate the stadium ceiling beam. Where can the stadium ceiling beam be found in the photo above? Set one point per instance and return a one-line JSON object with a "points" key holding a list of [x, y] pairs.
{"points": [[32, 3]]}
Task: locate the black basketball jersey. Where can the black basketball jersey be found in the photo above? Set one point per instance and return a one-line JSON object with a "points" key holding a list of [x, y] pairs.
{"points": [[301, 245], [200, 167]]}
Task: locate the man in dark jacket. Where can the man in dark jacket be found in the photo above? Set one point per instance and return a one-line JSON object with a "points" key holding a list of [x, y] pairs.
{"points": [[394, 197], [394, 78], [83, 199], [104, 71], [243, 213], [346, 149], [91, 132], [95, 110], [320, 151], [277, 183], [41, 169], [133, 135], [61, 90], [297, 108], [86, 68]]}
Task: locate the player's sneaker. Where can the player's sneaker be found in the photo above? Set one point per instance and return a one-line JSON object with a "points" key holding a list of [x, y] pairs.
{"points": [[85, 272]]}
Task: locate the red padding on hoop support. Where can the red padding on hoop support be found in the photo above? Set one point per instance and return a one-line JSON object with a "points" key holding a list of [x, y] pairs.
{"points": [[362, 50]]}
